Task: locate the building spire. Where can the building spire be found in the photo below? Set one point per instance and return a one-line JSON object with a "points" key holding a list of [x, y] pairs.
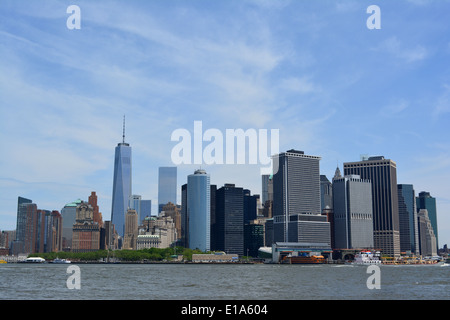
{"points": [[123, 134], [337, 173]]}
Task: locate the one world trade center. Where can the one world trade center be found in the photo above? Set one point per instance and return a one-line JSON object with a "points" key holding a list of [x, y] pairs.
{"points": [[121, 184]]}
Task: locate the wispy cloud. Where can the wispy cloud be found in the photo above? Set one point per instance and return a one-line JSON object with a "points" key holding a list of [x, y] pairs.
{"points": [[408, 54]]}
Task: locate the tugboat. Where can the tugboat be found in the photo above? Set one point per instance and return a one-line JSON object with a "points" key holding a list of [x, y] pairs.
{"points": [[367, 257]]}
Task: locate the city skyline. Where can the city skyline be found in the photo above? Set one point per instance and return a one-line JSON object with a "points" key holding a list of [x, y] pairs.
{"points": [[246, 64]]}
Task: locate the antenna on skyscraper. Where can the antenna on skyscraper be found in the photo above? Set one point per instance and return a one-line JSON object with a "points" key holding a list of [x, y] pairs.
{"points": [[123, 135]]}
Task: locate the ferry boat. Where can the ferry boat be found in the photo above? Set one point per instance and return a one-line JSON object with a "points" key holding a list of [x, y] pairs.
{"points": [[34, 260], [58, 260], [367, 257], [303, 259]]}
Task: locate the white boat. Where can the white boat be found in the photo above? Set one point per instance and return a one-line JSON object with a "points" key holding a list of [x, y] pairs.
{"points": [[58, 260], [367, 257], [34, 260]]}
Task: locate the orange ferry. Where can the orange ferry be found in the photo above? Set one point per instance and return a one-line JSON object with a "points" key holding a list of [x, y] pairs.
{"points": [[313, 259]]}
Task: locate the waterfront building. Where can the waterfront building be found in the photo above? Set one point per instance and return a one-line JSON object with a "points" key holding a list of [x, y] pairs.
{"points": [[38, 230], [86, 232], [408, 221], [426, 201], [427, 238], [230, 219], [131, 230], [23, 216], [382, 173], [309, 228], [198, 210], [253, 238], [147, 241], [352, 213], [296, 190], [167, 186], [121, 184], [217, 257]]}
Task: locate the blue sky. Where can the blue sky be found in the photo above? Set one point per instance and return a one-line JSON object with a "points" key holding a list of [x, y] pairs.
{"points": [[311, 69]]}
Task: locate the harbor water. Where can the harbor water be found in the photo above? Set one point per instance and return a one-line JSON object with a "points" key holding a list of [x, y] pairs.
{"points": [[47, 281]]}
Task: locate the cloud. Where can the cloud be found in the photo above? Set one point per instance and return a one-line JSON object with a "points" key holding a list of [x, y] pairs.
{"points": [[394, 109], [407, 54], [301, 85]]}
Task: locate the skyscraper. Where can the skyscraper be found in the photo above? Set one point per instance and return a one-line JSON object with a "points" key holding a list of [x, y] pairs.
{"points": [[383, 175], [167, 186], [352, 213], [427, 238], [326, 196], [230, 219], [426, 201], [97, 214], [265, 187], [21, 227], [121, 184], [131, 229], [407, 215], [146, 210], [296, 190], [199, 210], [135, 203], [184, 217], [69, 215]]}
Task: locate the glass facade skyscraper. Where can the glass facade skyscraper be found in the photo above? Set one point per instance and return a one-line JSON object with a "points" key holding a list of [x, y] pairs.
{"points": [[407, 214], [167, 186], [121, 185], [426, 201], [199, 210]]}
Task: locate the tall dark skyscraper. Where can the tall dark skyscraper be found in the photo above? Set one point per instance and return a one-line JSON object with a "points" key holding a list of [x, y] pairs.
{"points": [[426, 201], [25, 210], [121, 184], [383, 175], [296, 190], [230, 219], [409, 241]]}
